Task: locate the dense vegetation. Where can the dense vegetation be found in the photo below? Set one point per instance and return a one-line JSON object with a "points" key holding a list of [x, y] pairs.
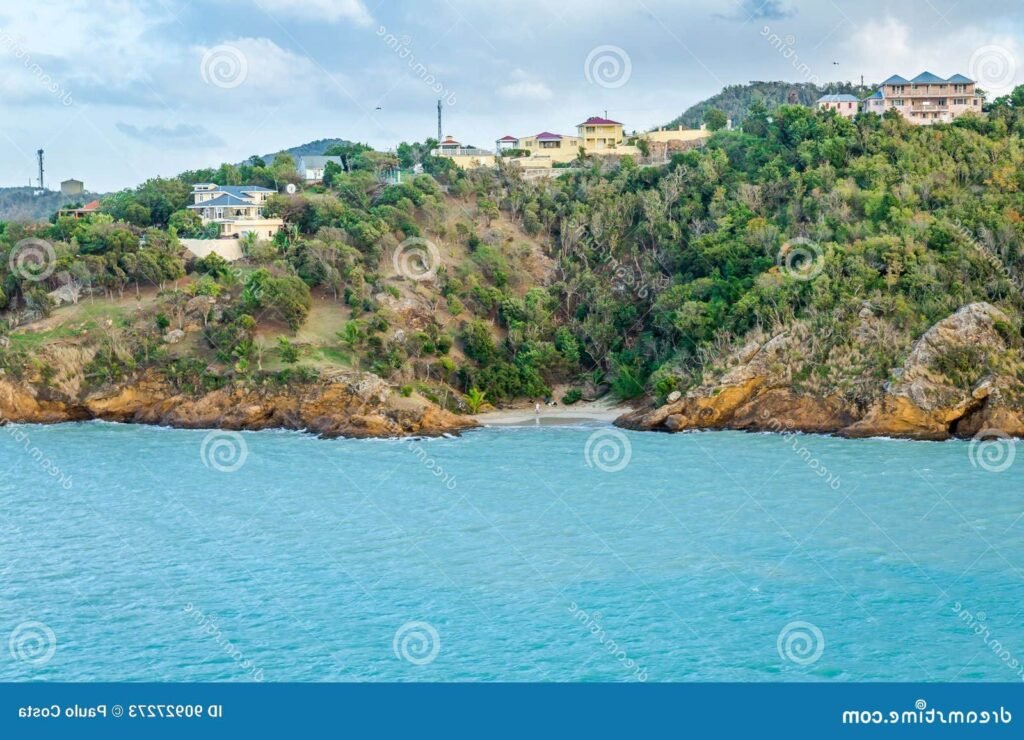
{"points": [[638, 278], [735, 101]]}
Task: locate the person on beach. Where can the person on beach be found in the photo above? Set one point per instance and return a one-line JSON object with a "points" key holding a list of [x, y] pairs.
{"points": [[536, 409]]}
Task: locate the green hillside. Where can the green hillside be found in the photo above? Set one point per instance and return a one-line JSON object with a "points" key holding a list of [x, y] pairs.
{"points": [[735, 100]]}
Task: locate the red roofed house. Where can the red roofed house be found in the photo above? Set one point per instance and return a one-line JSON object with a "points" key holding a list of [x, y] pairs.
{"points": [[600, 133], [93, 206], [506, 142]]}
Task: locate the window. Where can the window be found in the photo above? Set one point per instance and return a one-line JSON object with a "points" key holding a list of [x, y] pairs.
{"points": [[959, 101], [898, 102]]}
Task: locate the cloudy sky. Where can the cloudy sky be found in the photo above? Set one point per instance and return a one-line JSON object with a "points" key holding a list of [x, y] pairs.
{"points": [[117, 91]]}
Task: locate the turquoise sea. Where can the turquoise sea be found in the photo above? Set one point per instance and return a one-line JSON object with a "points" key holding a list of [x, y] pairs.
{"points": [[521, 554]]}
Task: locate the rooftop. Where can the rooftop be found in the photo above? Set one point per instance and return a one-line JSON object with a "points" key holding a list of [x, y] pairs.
{"points": [[842, 98], [548, 136], [598, 121], [927, 78], [224, 200], [508, 138]]}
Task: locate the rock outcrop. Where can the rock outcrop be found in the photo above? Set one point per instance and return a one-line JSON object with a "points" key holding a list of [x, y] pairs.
{"points": [[919, 403], [351, 406]]}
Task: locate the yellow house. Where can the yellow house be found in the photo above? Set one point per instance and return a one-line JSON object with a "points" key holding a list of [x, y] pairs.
{"points": [[599, 134], [547, 148]]}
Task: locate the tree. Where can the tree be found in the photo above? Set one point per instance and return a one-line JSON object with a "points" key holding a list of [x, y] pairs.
{"points": [[715, 119], [288, 352]]}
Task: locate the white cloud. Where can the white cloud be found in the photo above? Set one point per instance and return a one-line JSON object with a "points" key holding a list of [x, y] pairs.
{"points": [[329, 11], [889, 46], [524, 87]]}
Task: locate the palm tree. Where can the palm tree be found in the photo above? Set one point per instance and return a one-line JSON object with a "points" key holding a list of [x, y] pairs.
{"points": [[475, 399]]}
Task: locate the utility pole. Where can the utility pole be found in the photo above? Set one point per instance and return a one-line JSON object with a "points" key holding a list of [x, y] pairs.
{"points": [[39, 153], [438, 120]]}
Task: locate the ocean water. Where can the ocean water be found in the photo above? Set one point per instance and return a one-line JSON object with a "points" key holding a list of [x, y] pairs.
{"points": [[573, 553]]}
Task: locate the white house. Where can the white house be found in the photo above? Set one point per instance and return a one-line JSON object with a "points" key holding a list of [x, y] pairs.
{"points": [[311, 168], [236, 209]]}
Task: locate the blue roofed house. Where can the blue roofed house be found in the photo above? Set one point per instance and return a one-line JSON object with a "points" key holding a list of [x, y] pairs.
{"points": [[927, 98], [236, 209], [845, 105]]}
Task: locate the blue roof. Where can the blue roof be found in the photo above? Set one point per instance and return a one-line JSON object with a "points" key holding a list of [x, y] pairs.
{"points": [[876, 95], [225, 199], [839, 99], [896, 80], [927, 77], [240, 189], [958, 78]]}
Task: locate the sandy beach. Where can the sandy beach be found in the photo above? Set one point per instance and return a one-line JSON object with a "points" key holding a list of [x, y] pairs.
{"points": [[583, 412]]}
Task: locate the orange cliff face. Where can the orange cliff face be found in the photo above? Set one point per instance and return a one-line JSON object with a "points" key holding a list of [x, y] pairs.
{"points": [[353, 406], [757, 392]]}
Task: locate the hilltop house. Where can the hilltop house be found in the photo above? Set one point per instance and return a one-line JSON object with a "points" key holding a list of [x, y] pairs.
{"points": [[236, 209], [72, 187], [505, 143], [599, 134], [93, 206], [845, 105], [927, 98], [465, 157], [311, 167]]}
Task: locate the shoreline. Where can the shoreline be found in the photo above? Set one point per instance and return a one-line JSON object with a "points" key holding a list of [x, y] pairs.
{"points": [[591, 413]]}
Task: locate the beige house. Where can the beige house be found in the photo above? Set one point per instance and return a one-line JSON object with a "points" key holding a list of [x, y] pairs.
{"points": [[466, 157], [927, 98], [72, 187], [845, 105], [236, 209]]}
